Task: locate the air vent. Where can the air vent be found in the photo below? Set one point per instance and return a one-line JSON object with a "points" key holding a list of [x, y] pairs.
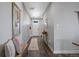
{"points": [[35, 21], [31, 8]]}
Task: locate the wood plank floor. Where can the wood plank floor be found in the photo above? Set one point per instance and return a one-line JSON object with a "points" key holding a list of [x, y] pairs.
{"points": [[36, 48]]}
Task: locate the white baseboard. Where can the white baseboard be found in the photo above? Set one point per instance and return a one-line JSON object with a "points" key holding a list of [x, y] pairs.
{"points": [[66, 52]]}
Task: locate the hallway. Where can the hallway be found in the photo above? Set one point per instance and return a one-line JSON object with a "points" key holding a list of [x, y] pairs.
{"points": [[39, 29], [37, 48]]}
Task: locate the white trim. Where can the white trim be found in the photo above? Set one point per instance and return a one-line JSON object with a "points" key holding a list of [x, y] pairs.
{"points": [[66, 52]]}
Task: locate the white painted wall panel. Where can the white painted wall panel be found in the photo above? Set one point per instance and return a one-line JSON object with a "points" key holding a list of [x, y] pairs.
{"points": [[5, 22], [65, 26]]}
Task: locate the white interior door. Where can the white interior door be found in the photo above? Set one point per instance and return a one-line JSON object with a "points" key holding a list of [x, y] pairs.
{"points": [[35, 28]]}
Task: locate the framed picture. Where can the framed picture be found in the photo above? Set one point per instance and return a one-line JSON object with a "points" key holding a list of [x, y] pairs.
{"points": [[16, 15]]}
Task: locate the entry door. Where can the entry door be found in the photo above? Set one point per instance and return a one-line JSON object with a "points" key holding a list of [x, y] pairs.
{"points": [[35, 28]]}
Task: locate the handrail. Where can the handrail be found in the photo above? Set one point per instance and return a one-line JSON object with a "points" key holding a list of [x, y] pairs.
{"points": [[75, 44]]}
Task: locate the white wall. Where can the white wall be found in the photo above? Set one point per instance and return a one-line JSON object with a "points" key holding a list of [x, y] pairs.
{"points": [[20, 5], [66, 26], [26, 23], [67, 29], [49, 28], [5, 22]]}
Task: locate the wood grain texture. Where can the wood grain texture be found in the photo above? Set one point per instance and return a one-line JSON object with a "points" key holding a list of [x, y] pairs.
{"points": [[41, 52], [44, 51]]}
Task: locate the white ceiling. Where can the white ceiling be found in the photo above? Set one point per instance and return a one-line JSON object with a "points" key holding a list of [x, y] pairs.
{"points": [[36, 9]]}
